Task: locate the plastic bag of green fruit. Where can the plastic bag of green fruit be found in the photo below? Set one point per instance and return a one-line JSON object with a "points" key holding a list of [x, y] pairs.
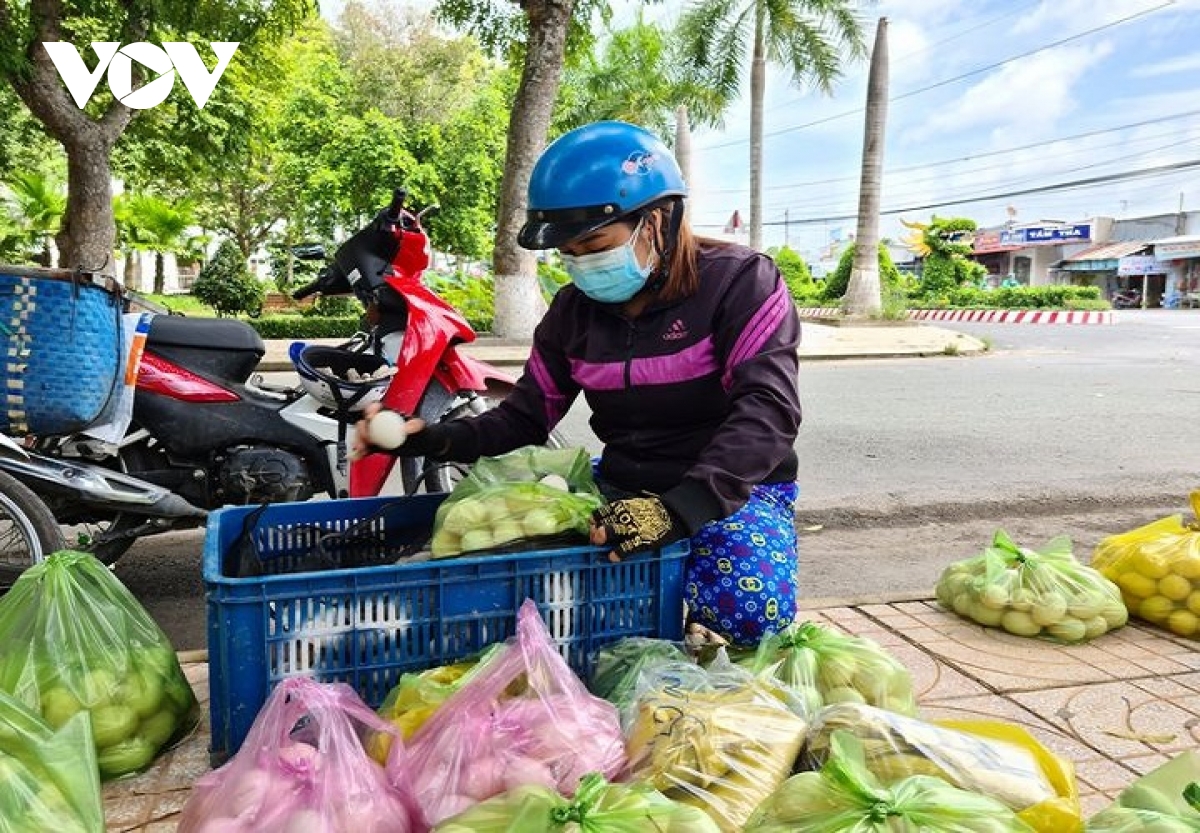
{"points": [[1165, 800], [48, 777], [74, 640], [823, 666], [845, 797], [530, 496], [1046, 593], [596, 807], [999, 760]]}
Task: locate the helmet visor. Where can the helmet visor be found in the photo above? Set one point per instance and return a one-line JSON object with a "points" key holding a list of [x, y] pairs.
{"points": [[554, 228]]}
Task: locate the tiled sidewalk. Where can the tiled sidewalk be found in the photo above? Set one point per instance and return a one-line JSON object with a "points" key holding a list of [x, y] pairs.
{"points": [[1116, 707]]}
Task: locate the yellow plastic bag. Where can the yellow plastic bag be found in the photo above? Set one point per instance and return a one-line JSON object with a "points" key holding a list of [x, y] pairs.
{"points": [[998, 760], [1157, 567]]}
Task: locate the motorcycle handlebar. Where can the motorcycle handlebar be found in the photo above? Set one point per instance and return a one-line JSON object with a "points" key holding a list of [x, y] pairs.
{"points": [[306, 290], [394, 211]]}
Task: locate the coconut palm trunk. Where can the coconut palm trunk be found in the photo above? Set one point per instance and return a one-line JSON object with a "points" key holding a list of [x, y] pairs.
{"points": [[864, 295], [758, 87]]}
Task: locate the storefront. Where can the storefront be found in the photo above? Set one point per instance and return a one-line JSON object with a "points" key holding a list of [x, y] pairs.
{"points": [[1116, 267], [1181, 257]]}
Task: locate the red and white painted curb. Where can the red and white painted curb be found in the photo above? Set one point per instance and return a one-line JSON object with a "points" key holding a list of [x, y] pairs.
{"points": [[997, 316]]}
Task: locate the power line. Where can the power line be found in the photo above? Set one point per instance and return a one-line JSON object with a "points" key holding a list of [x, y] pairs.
{"points": [[938, 164], [934, 45], [1044, 189], [937, 84]]}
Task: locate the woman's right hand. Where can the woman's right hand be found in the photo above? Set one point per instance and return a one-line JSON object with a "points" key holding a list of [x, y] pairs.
{"points": [[364, 444]]}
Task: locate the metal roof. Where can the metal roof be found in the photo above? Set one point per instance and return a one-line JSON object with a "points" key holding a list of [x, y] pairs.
{"points": [[1107, 251]]}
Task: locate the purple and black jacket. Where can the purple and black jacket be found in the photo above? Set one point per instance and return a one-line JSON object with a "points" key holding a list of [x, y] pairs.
{"points": [[695, 400]]}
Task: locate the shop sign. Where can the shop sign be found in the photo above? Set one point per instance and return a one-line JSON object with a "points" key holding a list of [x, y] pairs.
{"points": [[1141, 265], [1047, 235], [1177, 250]]}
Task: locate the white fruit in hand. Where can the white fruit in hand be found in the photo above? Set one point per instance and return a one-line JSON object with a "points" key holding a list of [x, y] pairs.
{"points": [[386, 430]]}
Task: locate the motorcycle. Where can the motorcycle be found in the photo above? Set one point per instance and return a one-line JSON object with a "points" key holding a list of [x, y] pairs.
{"points": [[1128, 299], [28, 529], [209, 432]]}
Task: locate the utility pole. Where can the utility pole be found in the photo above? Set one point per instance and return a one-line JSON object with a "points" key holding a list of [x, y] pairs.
{"points": [[786, 239]]}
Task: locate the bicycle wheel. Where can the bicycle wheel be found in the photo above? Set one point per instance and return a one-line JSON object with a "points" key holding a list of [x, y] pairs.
{"points": [[28, 530]]}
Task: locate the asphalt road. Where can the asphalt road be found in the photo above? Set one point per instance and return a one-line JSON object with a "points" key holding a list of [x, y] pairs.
{"points": [[907, 464]]}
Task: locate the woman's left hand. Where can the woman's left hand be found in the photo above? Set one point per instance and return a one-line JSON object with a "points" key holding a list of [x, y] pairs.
{"points": [[635, 524]]}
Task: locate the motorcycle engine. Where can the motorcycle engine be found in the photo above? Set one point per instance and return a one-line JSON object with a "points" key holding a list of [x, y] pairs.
{"points": [[264, 475]]}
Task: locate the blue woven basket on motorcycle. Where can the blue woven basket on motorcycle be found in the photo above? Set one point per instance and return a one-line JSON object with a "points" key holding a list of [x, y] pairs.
{"points": [[65, 347]]}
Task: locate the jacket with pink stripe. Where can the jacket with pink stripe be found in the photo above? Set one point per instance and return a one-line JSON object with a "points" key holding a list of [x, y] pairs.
{"points": [[694, 400]]}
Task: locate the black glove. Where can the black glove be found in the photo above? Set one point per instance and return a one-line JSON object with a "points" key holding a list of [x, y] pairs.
{"points": [[638, 524]]}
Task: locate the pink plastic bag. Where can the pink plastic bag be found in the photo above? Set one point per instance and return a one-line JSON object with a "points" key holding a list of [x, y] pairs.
{"points": [[525, 719], [303, 769]]}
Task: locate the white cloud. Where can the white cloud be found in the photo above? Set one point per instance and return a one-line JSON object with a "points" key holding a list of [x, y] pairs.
{"points": [[1171, 66], [1030, 96]]}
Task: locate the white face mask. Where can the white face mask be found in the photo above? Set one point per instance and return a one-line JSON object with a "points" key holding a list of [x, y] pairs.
{"points": [[612, 276]]}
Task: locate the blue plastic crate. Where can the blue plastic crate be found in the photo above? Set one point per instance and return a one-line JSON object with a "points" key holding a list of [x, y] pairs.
{"points": [[366, 625]]}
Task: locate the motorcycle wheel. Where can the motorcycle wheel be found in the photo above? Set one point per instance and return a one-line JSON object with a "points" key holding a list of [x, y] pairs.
{"points": [[28, 530], [422, 475]]}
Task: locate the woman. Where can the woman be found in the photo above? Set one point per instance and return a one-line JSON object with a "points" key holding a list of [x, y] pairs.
{"points": [[685, 349]]}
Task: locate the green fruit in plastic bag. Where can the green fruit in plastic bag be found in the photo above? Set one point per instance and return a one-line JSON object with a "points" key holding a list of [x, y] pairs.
{"points": [[141, 691], [97, 687], [130, 755], [112, 724], [58, 706], [179, 693], [158, 729]]}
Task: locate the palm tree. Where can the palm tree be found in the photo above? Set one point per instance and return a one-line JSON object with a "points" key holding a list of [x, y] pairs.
{"points": [[808, 37], [40, 200], [155, 225], [863, 295]]}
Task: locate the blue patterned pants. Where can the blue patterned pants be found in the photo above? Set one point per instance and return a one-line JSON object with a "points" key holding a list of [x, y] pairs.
{"points": [[743, 572]]}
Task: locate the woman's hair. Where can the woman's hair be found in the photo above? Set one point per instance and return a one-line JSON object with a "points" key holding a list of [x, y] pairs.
{"points": [[682, 273]]}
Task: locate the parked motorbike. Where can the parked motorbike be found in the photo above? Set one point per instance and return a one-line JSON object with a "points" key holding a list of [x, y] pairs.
{"points": [[210, 432], [1128, 299], [28, 529]]}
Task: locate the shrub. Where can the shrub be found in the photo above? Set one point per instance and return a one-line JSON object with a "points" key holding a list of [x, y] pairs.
{"points": [[226, 285], [472, 296], [839, 281]]}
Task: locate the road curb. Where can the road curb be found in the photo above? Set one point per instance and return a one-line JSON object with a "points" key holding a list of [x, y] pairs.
{"points": [[995, 316]]}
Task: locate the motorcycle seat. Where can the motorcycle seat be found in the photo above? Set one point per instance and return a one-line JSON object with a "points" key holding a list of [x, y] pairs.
{"points": [[206, 333]]}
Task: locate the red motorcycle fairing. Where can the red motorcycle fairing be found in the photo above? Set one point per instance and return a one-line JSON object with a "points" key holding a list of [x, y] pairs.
{"points": [[161, 376]]}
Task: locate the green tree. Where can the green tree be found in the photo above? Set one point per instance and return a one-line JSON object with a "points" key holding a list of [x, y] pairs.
{"points": [[794, 270], [38, 200], [537, 34], [810, 38], [89, 135], [638, 75], [226, 285], [152, 224], [839, 280]]}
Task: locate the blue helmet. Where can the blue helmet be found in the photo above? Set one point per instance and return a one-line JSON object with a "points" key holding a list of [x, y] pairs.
{"points": [[595, 175]]}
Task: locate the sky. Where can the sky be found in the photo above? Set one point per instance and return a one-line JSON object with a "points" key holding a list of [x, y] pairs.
{"points": [[987, 98]]}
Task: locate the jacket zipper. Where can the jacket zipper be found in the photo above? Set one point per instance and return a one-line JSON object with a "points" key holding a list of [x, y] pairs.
{"points": [[629, 338]]}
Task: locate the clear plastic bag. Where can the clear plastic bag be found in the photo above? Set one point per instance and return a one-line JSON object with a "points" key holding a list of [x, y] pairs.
{"points": [[48, 777], [416, 696], [524, 720], [74, 639], [1157, 567], [719, 739], [1045, 593], [997, 760], [303, 768], [1166, 800], [822, 666], [619, 666], [597, 807], [846, 797], [530, 496]]}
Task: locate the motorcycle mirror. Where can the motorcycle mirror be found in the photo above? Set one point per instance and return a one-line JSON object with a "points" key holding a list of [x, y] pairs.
{"points": [[309, 251]]}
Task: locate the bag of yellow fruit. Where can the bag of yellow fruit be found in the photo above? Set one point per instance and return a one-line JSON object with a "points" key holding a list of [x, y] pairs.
{"points": [[1045, 592], [1157, 567]]}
